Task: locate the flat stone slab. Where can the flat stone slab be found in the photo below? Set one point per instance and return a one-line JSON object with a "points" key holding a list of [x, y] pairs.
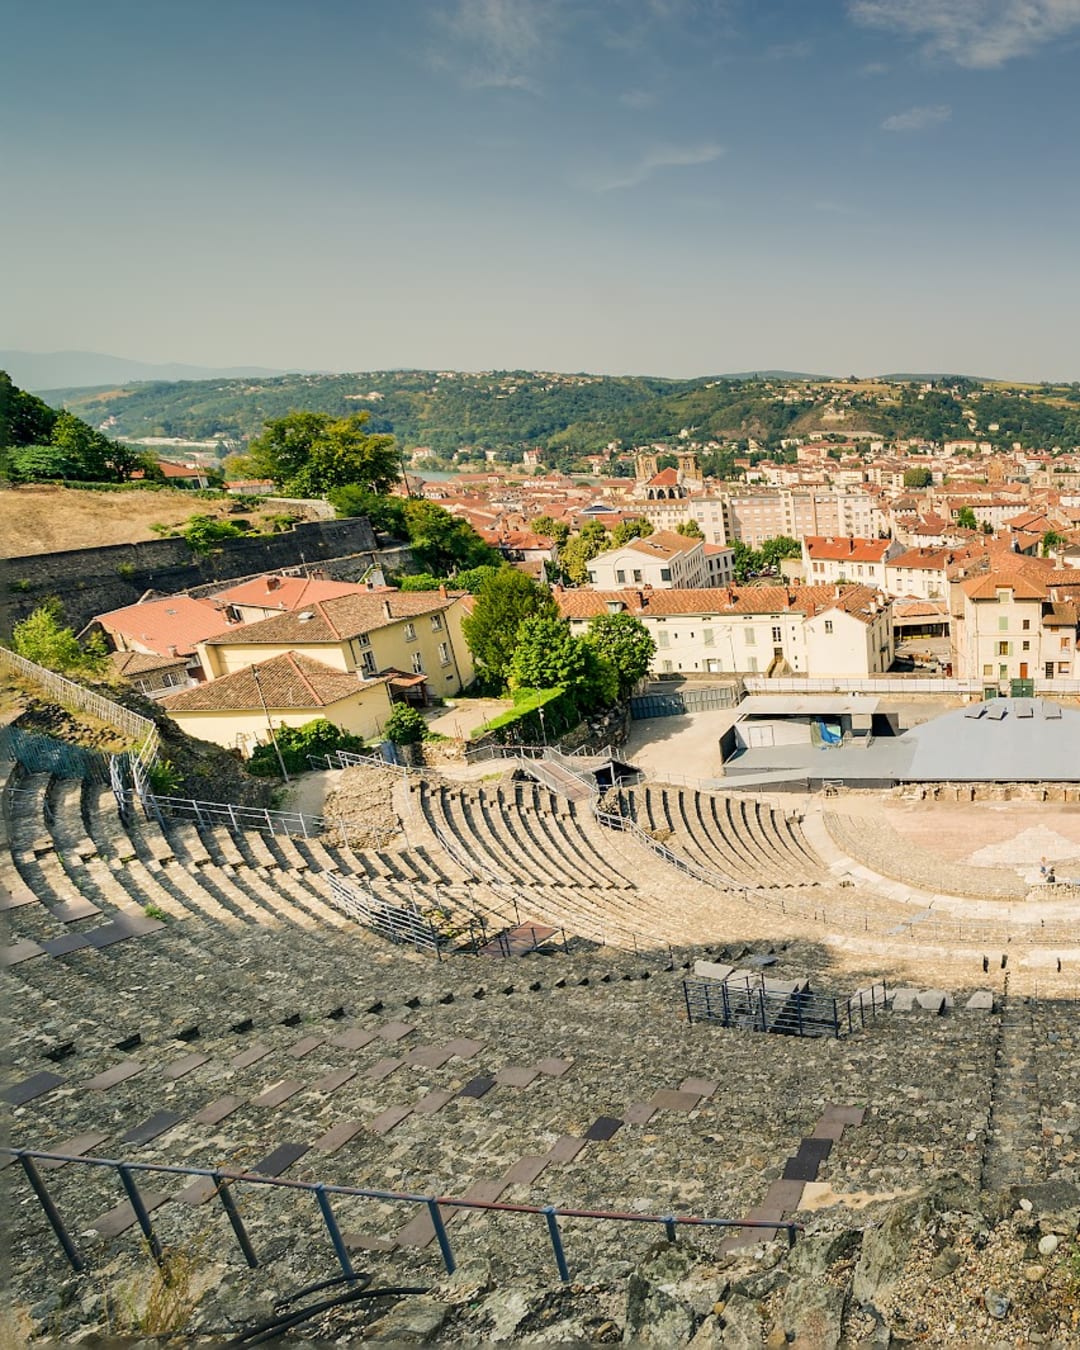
{"points": [[702, 1087], [250, 1056], [395, 1031], [338, 1136], [667, 1100], [847, 1115], [783, 1196], [513, 1076], [829, 1129], [383, 1069], [368, 1242], [389, 1119], [157, 1124], [179, 1068], [17, 952], [70, 942], [198, 1192], [434, 1101], [932, 1000], [30, 1088], [120, 1073], [982, 1000], [639, 1113], [525, 1171], [332, 1081], [118, 1220], [477, 1087], [903, 1000], [554, 1068], [464, 1048], [218, 1110], [712, 970], [279, 1160], [355, 1038], [603, 1127], [73, 910], [278, 1093], [430, 1056], [305, 1046], [79, 1145], [566, 1148]]}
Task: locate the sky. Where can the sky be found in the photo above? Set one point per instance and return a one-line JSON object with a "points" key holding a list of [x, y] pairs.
{"points": [[670, 187]]}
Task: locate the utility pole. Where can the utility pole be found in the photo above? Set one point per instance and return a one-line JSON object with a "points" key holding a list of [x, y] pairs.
{"points": [[270, 725]]}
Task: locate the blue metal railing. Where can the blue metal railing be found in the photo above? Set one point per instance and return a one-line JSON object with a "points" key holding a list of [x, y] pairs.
{"points": [[223, 1178]]}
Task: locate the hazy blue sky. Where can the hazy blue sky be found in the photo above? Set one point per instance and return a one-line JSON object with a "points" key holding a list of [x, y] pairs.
{"points": [[667, 186]]}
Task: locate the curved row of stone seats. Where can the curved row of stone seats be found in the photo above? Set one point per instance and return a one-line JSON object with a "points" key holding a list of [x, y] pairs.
{"points": [[873, 841], [742, 839]]}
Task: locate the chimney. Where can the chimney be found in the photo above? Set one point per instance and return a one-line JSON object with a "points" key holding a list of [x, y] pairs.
{"points": [[442, 593], [273, 583], [386, 610], [172, 651]]}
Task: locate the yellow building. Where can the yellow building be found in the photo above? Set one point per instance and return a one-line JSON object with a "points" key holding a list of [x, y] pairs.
{"points": [[415, 638], [237, 710]]}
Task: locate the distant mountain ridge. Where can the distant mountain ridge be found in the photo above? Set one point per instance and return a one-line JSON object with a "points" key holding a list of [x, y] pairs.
{"points": [[42, 371]]}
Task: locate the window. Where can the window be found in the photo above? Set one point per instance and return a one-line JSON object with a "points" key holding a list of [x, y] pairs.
{"points": [[707, 635], [1003, 624], [988, 670], [1003, 672], [665, 666], [436, 623], [418, 663], [751, 664], [1027, 646], [1026, 625], [828, 626], [665, 574], [751, 636], [444, 653], [410, 632], [637, 574], [1065, 644], [1003, 649], [620, 576], [1004, 596], [777, 635], [662, 639]]}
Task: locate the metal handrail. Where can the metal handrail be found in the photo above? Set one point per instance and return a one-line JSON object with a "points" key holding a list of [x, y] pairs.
{"points": [[239, 817], [222, 1178]]}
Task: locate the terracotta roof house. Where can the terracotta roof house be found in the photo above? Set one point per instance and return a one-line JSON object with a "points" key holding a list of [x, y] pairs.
{"points": [[238, 710]]}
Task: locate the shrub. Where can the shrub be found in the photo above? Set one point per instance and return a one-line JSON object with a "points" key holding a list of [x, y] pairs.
{"points": [[164, 778], [405, 726], [317, 737]]}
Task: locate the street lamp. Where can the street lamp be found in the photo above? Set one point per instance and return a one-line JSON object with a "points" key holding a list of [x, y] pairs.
{"points": [[270, 725], [543, 730]]}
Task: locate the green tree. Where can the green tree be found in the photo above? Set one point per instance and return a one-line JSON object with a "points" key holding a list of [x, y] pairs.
{"points": [[745, 561], [42, 637], [625, 644], [918, 477], [405, 726], [580, 550], [1051, 540], [310, 453], [474, 579], [387, 514], [442, 543], [625, 530], [419, 581], [505, 600], [774, 551], [24, 419], [548, 656], [557, 530], [35, 463], [202, 533], [689, 529], [965, 518]]}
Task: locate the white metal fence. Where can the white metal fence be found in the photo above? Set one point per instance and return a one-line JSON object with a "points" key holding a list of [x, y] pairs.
{"points": [[77, 696], [891, 684]]}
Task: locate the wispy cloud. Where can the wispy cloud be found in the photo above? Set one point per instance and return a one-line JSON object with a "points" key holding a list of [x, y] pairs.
{"points": [[790, 51], [637, 98], [980, 34], [494, 44], [918, 119], [873, 68], [662, 157]]}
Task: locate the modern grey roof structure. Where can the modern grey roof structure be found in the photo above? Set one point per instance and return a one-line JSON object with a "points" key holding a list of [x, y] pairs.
{"points": [[1014, 740], [807, 705], [1001, 741]]}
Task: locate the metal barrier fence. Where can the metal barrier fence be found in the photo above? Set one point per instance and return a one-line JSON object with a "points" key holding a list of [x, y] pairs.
{"points": [[238, 817], [675, 702], [77, 696], [403, 925], [45, 754], [752, 1005], [225, 1179]]}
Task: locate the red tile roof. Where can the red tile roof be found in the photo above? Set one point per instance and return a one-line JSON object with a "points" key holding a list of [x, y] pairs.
{"points": [[292, 681], [275, 592], [810, 600], [844, 548], [336, 620], [178, 621]]}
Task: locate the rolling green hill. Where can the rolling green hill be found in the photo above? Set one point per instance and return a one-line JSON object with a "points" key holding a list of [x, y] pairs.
{"points": [[510, 410]]}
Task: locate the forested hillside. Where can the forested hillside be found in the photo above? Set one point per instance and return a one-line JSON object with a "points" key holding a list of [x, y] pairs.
{"points": [[578, 414], [38, 442]]}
